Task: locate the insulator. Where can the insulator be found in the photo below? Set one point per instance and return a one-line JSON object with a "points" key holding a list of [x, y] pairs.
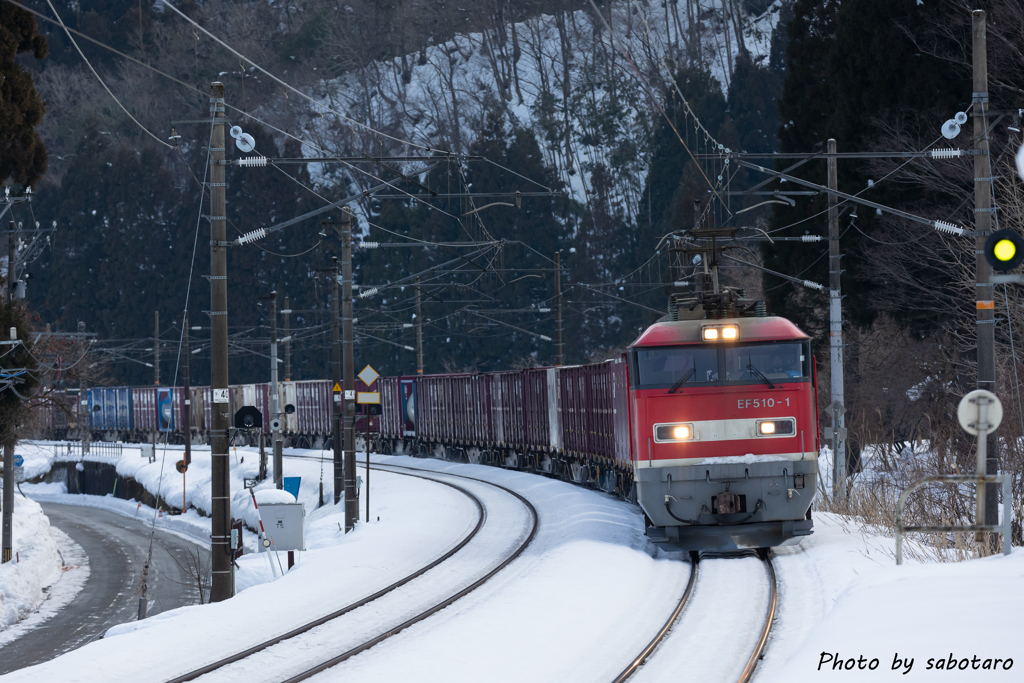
{"points": [[369, 245], [813, 285], [944, 226], [367, 292], [253, 161], [811, 238], [946, 153], [252, 236]]}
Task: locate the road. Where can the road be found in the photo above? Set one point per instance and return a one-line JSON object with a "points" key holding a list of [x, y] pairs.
{"points": [[117, 548]]}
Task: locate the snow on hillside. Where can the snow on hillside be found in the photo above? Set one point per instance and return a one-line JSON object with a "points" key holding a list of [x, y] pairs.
{"points": [[416, 97]]}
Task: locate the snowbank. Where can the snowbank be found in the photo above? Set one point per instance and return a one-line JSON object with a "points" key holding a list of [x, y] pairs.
{"points": [[271, 496], [25, 582], [916, 620], [38, 458]]}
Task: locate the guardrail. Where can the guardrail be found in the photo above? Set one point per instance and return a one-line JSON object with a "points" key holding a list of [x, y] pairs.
{"points": [[77, 450], [1004, 479]]}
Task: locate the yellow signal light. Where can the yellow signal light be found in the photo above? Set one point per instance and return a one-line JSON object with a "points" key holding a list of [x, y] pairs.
{"points": [[1005, 250]]}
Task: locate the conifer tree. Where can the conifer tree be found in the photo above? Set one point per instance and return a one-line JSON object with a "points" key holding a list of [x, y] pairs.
{"points": [[22, 153]]}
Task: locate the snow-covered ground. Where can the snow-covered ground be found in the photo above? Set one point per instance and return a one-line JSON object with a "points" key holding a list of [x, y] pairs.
{"points": [[48, 571], [578, 605]]}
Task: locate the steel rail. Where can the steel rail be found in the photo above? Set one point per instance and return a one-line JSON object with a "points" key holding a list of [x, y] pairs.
{"points": [[762, 641], [635, 665], [334, 661], [482, 516]]}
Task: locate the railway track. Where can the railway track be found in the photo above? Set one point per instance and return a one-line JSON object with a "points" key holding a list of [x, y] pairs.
{"points": [[762, 641], [420, 615]]}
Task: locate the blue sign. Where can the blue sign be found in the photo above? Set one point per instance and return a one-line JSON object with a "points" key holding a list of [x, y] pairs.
{"points": [[18, 461], [165, 410], [291, 485]]}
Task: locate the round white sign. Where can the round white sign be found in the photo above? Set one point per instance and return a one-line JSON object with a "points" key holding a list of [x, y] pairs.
{"points": [[969, 412]]}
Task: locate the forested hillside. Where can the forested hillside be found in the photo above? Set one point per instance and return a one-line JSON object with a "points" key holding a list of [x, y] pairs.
{"points": [[589, 111], [553, 98]]}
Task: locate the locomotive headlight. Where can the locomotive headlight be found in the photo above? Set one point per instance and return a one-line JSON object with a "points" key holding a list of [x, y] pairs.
{"points": [[673, 433], [720, 332], [780, 427]]}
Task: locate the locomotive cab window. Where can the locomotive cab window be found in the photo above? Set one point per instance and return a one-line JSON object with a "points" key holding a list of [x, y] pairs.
{"points": [[680, 367], [668, 365], [775, 361]]}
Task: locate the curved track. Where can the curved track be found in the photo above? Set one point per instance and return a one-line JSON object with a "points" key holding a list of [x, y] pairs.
{"points": [[762, 640], [438, 606], [769, 619]]}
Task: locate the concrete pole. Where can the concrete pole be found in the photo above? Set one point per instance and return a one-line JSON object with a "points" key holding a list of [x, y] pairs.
{"points": [[559, 348], [7, 541], [12, 262], [419, 335], [351, 504], [8, 497], [83, 410], [287, 341], [336, 393], [985, 305], [275, 398], [156, 347], [223, 583], [835, 321], [188, 393]]}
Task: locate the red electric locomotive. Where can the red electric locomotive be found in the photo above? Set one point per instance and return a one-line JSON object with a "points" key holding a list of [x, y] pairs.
{"points": [[724, 426]]}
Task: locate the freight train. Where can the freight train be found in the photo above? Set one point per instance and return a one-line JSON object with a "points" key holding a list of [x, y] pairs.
{"points": [[708, 421], [710, 425]]}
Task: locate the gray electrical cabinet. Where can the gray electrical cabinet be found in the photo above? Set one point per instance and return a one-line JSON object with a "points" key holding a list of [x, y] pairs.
{"points": [[285, 524]]}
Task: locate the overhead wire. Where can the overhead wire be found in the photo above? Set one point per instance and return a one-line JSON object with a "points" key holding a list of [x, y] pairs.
{"points": [[298, 92], [89, 64], [657, 106], [235, 109]]}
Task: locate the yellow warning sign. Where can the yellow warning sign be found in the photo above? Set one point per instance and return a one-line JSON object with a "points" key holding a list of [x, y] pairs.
{"points": [[337, 388]]}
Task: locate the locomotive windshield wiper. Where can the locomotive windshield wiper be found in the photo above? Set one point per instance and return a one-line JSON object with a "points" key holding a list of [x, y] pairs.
{"points": [[683, 380], [760, 375]]}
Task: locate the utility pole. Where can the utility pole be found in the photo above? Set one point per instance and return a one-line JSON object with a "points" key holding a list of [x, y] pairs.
{"points": [[835, 321], [336, 393], [223, 583], [188, 393], [156, 347], [287, 341], [7, 541], [983, 210], [275, 398], [559, 349], [351, 504], [12, 262], [419, 337], [84, 423]]}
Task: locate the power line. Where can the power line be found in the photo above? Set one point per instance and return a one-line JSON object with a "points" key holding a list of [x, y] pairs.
{"points": [[88, 64], [298, 92]]}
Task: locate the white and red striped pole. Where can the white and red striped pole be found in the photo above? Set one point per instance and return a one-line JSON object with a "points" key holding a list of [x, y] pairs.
{"points": [[263, 532]]}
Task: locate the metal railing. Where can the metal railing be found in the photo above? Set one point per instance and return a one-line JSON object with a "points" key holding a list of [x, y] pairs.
{"points": [[1004, 479], [76, 450]]}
